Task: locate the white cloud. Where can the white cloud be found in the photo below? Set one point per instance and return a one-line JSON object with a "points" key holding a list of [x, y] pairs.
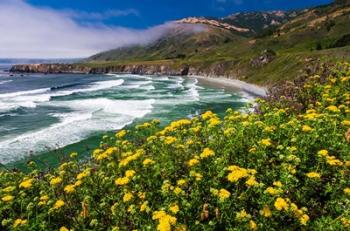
{"points": [[34, 32]]}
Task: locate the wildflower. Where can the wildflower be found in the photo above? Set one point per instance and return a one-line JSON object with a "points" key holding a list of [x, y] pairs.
{"points": [[214, 122], [333, 109], [207, 115], [306, 128], [83, 174], [44, 198], [147, 162], [251, 181], [323, 152], [69, 189], [278, 184], [9, 189], [58, 204], [63, 228], [7, 198], [193, 162], [252, 150], [346, 123], [313, 175], [122, 181], [347, 191], [120, 134], [266, 142], [280, 204], [170, 139], [242, 215], [181, 182], [304, 219], [19, 222], [236, 173], [174, 208], [165, 220], [223, 194], [266, 212], [207, 152], [78, 183], [127, 197], [144, 207], [130, 173], [55, 181], [252, 225], [272, 191], [196, 175], [26, 184], [178, 190]]}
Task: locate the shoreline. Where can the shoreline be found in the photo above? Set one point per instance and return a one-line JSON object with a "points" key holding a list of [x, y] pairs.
{"points": [[232, 84]]}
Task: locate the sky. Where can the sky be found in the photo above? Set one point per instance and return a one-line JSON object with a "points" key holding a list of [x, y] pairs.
{"points": [[80, 28]]}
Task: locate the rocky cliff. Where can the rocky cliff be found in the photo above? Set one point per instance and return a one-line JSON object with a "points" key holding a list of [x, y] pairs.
{"points": [[218, 69]]}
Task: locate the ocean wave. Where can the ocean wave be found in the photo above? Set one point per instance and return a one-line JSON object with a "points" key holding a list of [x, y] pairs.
{"points": [[5, 81], [30, 99], [88, 116]]}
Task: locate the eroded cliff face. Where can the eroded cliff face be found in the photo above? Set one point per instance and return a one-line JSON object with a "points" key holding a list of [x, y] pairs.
{"points": [[219, 69]]}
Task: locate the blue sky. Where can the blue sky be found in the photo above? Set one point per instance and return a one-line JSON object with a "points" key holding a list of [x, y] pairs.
{"points": [[81, 28], [146, 13]]}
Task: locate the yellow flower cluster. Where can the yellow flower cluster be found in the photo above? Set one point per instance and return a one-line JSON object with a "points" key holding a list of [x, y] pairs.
{"points": [[130, 158], [165, 220]]}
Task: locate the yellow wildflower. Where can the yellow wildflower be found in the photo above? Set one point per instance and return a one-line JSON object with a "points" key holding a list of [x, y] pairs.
{"points": [[347, 191], [144, 207], [122, 181], [346, 123], [266, 212], [266, 142], [272, 191], [178, 190], [333, 108], [181, 182], [193, 162], [242, 215], [174, 208], [313, 175], [253, 225], [278, 184], [69, 188], [236, 173], [323, 152], [280, 204], [147, 162], [120, 134], [26, 184], [170, 139], [223, 194], [9, 189], [207, 152], [58, 204], [130, 173], [127, 197], [19, 222], [63, 228], [306, 128], [304, 219], [7, 198], [251, 181], [55, 181]]}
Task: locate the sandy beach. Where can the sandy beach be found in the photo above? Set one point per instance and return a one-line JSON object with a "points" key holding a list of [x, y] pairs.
{"points": [[235, 84]]}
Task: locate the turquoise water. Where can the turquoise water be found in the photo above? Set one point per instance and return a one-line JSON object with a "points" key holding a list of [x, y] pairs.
{"points": [[46, 116]]}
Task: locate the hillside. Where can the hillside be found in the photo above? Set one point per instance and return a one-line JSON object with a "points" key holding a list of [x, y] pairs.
{"points": [[302, 37]]}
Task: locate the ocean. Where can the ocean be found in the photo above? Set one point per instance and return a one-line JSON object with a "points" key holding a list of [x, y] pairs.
{"points": [[41, 114]]}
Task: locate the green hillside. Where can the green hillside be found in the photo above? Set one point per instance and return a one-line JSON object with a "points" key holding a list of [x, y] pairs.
{"points": [[321, 33]]}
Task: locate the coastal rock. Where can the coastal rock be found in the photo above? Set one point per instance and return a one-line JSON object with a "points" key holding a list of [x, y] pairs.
{"points": [[266, 57]]}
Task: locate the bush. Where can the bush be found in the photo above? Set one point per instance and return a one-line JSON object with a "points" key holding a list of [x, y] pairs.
{"points": [[275, 169]]}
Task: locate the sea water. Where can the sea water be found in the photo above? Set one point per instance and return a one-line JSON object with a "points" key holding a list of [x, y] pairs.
{"points": [[41, 113]]}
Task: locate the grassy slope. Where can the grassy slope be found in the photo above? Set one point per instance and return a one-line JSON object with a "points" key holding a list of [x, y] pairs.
{"points": [[297, 41]]}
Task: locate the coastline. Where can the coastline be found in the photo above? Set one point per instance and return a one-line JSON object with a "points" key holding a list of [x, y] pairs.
{"points": [[232, 84]]}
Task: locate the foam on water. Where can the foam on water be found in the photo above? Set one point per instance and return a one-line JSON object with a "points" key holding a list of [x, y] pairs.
{"points": [[30, 99], [5, 81], [89, 116]]}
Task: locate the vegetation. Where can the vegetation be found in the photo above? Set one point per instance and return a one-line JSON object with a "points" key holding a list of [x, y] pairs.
{"points": [[283, 167]]}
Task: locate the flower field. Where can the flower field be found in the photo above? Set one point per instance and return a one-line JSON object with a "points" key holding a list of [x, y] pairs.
{"points": [[276, 169]]}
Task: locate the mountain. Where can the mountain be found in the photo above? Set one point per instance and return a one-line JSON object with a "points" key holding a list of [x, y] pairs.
{"points": [[259, 47]]}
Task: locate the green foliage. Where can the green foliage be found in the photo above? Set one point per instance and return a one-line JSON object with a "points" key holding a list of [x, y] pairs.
{"points": [[278, 168]]}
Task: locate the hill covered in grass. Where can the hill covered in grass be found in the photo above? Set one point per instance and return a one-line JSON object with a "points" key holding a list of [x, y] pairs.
{"points": [[297, 39], [283, 167]]}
